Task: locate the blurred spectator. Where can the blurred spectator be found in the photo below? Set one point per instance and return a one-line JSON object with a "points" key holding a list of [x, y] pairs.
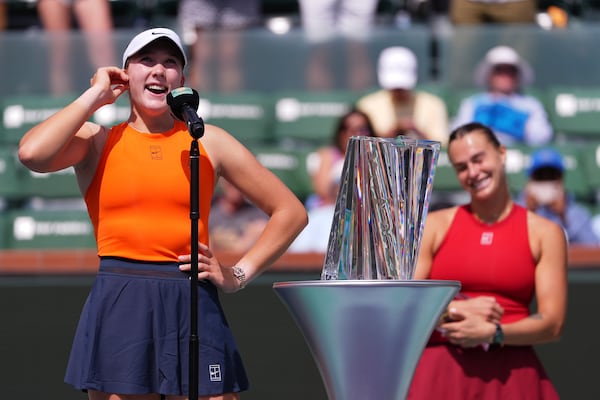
{"points": [[516, 118], [325, 20], [470, 12], [399, 109], [545, 195], [235, 223], [326, 182], [326, 179], [93, 17], [212, 29]]}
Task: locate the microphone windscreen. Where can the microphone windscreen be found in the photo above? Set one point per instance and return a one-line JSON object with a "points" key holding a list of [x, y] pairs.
{"points": [[177, 98]]}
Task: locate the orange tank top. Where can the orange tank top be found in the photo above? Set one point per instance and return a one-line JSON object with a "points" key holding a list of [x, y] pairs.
{"points": [[139, 198]]}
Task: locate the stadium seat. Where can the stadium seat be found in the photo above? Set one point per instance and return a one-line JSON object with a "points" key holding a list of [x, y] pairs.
{"points": [[517, 163], [59, 184], [10, 182], [575, 112], [247, 116], [446, 188], [590, 154], [454, 97], [436, 88], [3, 231], [310, 117], [49, 229], [21, 113], [293, 167], [21, 184], [445, 177], [576, 175], [53, 191]]}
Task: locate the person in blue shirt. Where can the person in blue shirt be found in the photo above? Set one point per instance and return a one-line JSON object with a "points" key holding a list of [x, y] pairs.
{"points": [[515, 117], [545, 194]]}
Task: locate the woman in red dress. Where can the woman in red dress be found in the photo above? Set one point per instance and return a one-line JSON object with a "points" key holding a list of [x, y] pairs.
{"points": [[505, 257]]}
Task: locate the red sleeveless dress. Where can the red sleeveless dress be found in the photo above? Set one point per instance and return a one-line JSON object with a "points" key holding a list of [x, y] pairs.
{"points": [[488, 260]]}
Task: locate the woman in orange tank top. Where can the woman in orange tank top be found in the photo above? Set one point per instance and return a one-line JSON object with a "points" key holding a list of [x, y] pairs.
{"points": [[133, 333], [504, 256]]}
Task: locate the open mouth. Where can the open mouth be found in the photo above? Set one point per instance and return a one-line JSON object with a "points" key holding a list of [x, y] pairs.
{"points": [[157, 89]]}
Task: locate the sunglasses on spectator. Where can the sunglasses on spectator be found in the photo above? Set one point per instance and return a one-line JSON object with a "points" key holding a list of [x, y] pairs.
{"points": [[507, 69]]}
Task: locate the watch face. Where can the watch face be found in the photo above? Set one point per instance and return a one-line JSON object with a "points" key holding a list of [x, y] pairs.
{"points": [[240, 275], [499, 336]]}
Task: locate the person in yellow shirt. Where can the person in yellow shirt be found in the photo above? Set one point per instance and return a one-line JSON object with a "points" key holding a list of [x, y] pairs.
{"points": [[398, 108]]}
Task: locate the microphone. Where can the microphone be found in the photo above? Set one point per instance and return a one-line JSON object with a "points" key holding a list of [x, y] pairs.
{"points": [[184, 103]]}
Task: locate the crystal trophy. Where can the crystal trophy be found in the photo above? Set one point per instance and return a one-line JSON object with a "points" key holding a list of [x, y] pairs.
{"points": [[380, 209]]}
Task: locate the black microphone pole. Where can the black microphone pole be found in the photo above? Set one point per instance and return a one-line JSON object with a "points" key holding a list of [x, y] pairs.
{"points": [[181, 101], [194, 216]]}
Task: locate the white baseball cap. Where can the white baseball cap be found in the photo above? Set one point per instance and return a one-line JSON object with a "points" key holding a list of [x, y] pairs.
{"points": [[397, 68], [503, 55], [143, 39]]}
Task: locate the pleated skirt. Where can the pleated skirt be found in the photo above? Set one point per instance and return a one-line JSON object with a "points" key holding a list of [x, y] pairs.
{"points": [[452, 373], [133, 335]]}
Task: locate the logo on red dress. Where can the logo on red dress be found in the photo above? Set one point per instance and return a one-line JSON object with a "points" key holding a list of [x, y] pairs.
{"points": [[486, 238]]}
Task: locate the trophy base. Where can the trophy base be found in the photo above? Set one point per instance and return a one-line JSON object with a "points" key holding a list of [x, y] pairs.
{"points": [[366, 336]]}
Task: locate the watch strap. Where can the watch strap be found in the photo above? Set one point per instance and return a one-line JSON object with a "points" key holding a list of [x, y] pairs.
{"points": [[498, 336]]}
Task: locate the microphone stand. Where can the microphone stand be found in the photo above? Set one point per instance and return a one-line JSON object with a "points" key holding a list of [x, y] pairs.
{"points": [[196, 130]]}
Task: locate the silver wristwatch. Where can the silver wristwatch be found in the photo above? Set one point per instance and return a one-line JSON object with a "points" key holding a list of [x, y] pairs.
{"points": [[240, 275]]}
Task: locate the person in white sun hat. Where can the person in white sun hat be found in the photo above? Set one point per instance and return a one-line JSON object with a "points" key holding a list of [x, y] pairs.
{"points": [[515, 117]]}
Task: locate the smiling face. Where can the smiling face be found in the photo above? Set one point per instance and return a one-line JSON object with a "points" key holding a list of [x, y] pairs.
{"points": [[479, 164], [153, 72]]}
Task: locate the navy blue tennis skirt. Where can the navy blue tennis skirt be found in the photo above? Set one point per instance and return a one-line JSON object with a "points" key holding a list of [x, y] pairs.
{"points": [[134, 332]]}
